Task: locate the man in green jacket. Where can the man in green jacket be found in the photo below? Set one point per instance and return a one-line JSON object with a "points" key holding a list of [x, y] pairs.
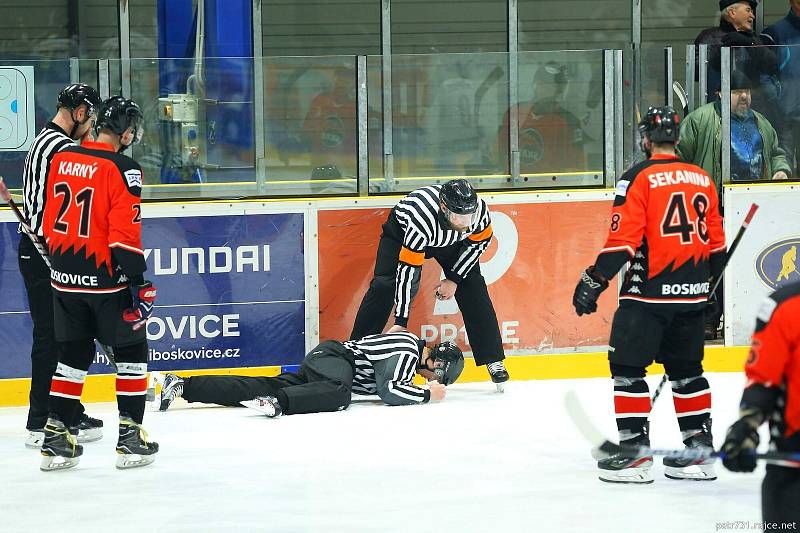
{"points": [[755, 152]]}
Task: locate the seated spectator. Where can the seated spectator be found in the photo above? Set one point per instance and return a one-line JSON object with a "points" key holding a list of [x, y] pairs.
{"points": [[550, 137], [751, 55], [787, 32], [755, 152]]}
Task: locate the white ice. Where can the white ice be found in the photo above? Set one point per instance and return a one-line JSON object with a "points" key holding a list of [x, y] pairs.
{"points": [[479, 461]]}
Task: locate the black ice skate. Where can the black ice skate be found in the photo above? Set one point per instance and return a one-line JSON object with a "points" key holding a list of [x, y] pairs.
{"points": [[619, 468], [133, 448], [694, 469], [88, 429], [267, 405], [171, 389], [498, 373], [60, 448]]}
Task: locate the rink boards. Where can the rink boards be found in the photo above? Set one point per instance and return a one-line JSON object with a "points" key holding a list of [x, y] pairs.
{"points": [[249, 287]]}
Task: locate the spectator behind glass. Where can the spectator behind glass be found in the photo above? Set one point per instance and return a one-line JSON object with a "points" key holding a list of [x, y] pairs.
{"points": [[751, 54], [550, 138], [755, 152], [787, 32]]}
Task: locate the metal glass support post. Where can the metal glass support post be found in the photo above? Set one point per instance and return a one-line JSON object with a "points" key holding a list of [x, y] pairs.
{"points": [[103, 83], [619, 123], [74, 70], [636, 75], [363, 125], [513, 91], [259, 101], [702, 64], [725, 98], [668, 77], [759, 18], [691, 70], [125, 47], [386, 51], [609, 109]]}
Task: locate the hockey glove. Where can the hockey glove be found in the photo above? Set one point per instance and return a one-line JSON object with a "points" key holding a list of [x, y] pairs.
{"points": [[740, 445], [590, 286], [143, 297]]}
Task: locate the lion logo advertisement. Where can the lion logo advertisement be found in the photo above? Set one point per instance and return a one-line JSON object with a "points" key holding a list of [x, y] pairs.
{"points": [[777, 265]]}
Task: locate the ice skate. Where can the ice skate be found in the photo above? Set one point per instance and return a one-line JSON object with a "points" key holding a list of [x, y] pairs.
{"points": [[171, 388], [35, 439], [60, 447], [499, 374], [88, 429], [622, 468], [694, 469], [133, 448], [267, 405]]}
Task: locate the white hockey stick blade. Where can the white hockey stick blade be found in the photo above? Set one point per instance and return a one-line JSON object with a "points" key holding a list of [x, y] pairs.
{"points": [[587, 428]]}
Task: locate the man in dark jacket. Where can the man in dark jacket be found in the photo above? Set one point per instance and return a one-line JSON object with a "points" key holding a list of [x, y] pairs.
{"points": [[750, 55], [787, 32]]}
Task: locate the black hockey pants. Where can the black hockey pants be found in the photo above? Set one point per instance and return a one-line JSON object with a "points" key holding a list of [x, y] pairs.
{"points": [[780, 497], [472, 296], [322, 384], [45, 348]]}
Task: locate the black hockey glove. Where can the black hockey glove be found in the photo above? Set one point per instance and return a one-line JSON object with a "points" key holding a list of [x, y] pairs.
{"points": [[143, 297], [740, 445], [590, 286]]}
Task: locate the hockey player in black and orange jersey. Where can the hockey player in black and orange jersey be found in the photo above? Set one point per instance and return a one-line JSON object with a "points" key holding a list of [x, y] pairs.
{"points": [[666, 224], [92, 223], [772, 393]]}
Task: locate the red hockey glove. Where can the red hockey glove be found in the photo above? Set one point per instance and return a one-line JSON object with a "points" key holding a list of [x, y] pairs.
{"points": [[143, 297]]}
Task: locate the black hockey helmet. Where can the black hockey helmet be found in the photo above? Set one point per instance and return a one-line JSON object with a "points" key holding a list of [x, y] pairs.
{"points": [[76, 94], [118, 114], [660, 125], [448, 362], [459, 203]]}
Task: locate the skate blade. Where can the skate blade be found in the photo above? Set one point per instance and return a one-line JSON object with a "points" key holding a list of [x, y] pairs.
{"points": [[627, 475], [501, 387], [89, 435], [52, 463], [133, 460], [691, 473], [264, 408]]}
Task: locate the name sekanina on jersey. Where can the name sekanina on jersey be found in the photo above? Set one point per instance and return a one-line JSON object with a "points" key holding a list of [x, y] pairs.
{"points": [[666, 222], [774, 362], [92, 219]]}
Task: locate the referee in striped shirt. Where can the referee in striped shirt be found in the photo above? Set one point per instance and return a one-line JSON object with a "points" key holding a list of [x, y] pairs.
{"points": [[383, 364], [451, 224], [77, 106]]}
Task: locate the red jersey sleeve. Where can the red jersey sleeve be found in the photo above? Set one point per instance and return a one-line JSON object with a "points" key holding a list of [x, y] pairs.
{"points": [[771, 346], [125, 221], [627, 226]]}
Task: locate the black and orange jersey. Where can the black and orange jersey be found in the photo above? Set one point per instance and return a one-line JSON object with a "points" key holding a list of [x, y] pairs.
{"points": [[92, 220], [773, 367], [666, 223]]}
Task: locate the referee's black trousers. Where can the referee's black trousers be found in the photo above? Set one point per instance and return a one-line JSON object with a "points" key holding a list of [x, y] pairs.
{"points": [[45, 348], [322, 384], [472, 296]]}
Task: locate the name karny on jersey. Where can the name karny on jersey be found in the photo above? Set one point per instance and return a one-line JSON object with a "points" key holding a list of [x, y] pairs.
{"points": [[662, 179], [79, 170]]}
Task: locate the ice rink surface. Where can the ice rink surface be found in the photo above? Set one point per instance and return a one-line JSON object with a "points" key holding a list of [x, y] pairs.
{"points": [[477, 462]]}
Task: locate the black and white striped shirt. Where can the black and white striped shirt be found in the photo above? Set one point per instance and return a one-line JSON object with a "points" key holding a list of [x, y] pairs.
{"points": [[51, 140], [386, 364], [418, 215]]}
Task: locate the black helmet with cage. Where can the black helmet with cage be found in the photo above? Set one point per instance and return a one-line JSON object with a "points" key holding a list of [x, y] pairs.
{"points": [[118, 114], [447, 361]]}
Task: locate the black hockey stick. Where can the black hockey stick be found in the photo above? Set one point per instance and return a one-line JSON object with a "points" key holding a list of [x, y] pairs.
{"points": [[603, 448], [747, 219], [680, 92]]}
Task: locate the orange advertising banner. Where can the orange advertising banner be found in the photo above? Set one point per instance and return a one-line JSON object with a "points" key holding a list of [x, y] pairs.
{"points": [[531, 269]]}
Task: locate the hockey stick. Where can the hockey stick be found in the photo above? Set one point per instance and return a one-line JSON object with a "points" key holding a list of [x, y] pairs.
{"points": [[5, 194], [747, 219], [680, 92], [603, 448]]}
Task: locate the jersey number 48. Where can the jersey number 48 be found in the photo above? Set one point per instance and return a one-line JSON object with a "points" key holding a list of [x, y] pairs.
{"points": [[677, 220]]}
